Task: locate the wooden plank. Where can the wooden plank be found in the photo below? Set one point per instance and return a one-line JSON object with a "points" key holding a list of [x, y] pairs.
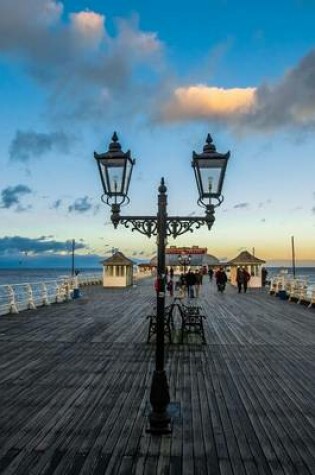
{"points": [[75, 382]]}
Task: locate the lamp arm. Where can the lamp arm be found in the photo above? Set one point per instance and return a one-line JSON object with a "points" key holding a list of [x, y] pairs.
{"points": [[175, 225]]}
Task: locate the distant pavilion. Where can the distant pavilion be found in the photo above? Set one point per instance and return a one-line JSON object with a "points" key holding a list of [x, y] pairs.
{"points": [[251, 263], [198, 259], [117, 271]]}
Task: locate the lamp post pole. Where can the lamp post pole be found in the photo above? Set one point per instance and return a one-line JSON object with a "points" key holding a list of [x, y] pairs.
{"points": [[72, 256], [159, 394], [115, 169]]}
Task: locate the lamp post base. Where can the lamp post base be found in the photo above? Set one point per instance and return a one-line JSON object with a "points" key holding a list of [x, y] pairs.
{"points": [[159, 418]]}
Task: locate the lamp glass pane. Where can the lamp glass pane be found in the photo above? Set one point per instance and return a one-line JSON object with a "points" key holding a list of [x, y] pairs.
{"points": [[210, 180], [128, 175], [210, 170], [115, 175], [115, 171]]}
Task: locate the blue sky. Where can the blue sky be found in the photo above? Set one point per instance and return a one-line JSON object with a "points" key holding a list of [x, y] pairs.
{"points": [[162, 75]]}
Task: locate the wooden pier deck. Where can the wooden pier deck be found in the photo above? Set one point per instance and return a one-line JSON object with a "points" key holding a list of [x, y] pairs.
{"points": [[75, 381]]}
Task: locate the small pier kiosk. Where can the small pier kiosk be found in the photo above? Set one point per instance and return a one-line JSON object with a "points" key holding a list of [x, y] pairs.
{"points": [[117, 271], [251, 263]]}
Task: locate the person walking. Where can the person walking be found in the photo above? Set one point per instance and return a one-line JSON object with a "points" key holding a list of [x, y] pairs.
{"points": [[221, 279], [239, 279], [170, 287], [264, 274], [198, 277], [242, 279], [190, 283], [246, 279]]}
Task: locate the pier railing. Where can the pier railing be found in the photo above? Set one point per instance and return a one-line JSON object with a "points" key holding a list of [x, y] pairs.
{"points": [[297, 290], [17, 297]]}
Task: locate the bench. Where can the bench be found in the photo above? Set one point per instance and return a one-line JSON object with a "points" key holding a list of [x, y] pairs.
{"points": [[168, 323], [192, 320]]}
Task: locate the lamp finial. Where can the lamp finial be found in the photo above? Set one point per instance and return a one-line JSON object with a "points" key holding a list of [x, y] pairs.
{"points": [[162, 187], [114, 146], [209, 147]]}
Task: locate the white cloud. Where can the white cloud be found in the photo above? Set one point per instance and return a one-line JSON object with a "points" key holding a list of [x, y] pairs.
{"points": [[199, 102], [89, 27], [141, 44], [90, 73], [27, 14], [50, 10], [81, 66], [267, 107]]}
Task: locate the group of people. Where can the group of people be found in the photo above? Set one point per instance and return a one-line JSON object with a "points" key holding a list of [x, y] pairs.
{"points": [[242, 279], [189, 284]]}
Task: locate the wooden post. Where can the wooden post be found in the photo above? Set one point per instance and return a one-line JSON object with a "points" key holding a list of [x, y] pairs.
{"points": [[293, 256]]}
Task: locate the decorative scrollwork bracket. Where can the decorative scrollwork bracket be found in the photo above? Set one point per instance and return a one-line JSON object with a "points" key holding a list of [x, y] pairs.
{"points": [[175, 225]]}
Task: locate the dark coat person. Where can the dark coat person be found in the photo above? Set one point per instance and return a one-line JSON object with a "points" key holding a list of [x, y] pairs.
{"points": [[221, 279], [190, 283], [242, 279], [264, 274]]}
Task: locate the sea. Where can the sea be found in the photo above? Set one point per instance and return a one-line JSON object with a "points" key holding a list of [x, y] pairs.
{"points": [[303, 273], [29, 276], [23, 276]]}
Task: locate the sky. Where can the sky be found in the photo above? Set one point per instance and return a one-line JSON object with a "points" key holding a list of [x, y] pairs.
{"points": [[163, 75]]}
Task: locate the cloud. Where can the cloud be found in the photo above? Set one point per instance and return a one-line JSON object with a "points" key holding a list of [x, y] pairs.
{"points": [[27, 145], [12, 195], [88, 27], [241, 205], [80, 205], [104, 65], [289, 102], [200, 102], [56, 204], [126, 65], [267, 107], [26, 20], [262, 204], [313, 210], [17, 244]]}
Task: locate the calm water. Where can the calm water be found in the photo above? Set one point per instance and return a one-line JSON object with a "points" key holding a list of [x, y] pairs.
{"points": [[18, 276], [21, 276], [305, 273]]}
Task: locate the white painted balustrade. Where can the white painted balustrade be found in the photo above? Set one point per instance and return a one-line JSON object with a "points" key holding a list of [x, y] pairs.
{"points": [[297, 290], [17, 297]]}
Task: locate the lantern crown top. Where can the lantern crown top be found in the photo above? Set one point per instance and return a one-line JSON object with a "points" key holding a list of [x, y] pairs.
{"points": [[209, 146], [114, 146], [209, 151]]}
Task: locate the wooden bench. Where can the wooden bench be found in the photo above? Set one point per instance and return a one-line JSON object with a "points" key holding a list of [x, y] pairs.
{"points": [[168, 323], [192, 320]]}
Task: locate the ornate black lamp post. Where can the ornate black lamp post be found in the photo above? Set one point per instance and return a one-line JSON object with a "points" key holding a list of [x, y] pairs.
{"points": [[184, 260], [115, 169]]}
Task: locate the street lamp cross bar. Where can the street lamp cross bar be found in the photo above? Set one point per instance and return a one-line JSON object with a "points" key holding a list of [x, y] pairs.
{"points": [[175, 225]]}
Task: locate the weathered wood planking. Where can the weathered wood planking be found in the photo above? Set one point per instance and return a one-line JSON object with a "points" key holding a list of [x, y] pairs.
{"points": [[75, 381]]}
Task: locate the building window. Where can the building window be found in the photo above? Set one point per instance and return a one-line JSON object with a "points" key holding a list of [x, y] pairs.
{"points": [[110, 271], [120, 271]]}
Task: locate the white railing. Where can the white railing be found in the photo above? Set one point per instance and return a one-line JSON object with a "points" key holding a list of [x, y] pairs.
{"points": [[17, 297], [312, 299], [297, 290]]}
